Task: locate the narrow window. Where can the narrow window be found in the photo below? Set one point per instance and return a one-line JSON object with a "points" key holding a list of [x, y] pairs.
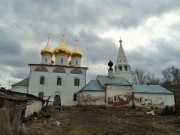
{"points": [[59, 80], [45, 59], [76, 62], [75, 96], [125, 68], [120, 68], [42, 80], [114, 98], [76, 82], [61, 61], [41, 94]]}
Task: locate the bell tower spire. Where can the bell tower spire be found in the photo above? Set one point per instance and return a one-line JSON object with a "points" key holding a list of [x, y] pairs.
{"points": [[122, 68], [121, 55]]}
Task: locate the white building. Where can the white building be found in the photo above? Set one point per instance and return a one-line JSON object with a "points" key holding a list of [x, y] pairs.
{"points": [[60, 81], [117, 89], [63, 81]]}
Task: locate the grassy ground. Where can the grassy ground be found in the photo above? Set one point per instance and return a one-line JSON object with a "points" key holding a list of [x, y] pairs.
{"points": [[83, 121]]}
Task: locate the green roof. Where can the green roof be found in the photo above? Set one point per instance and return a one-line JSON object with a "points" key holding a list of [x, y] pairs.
{"points": [[24, 82], [150, 89], [113, 80], [93, 85]]}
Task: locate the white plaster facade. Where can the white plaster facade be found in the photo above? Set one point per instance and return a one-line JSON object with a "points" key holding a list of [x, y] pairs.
{"points": [[153, 99], [33, 106], [66, 90], [22, 89], [46, 59], [118, 96], [91, 98]]}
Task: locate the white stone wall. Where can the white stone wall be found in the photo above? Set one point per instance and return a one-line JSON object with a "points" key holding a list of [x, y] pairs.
{"points": [[66, 89], [58, 60], [22, 89], [159, 100], [76, 61], [118, 96], [46, 59], [33, 106], [91, 98]]}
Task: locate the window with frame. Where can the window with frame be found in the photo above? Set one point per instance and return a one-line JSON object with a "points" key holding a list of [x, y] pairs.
{"points": [[75, 97], [76, 82], [59, 80], [45, 59], [42, 80], [41, 94]]}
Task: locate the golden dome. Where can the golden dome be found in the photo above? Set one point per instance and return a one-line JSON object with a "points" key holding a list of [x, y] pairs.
{"points": [[76, 51], [62, 49], [47, 49]]}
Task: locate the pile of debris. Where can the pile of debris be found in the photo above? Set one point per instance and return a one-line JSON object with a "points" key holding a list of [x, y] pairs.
{"points": [[168, 110], [41, 124]]}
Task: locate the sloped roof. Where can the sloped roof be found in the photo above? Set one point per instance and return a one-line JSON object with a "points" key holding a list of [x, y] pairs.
{"points": [[150, 89], [93, 85], [24, 82], [113, 80]]}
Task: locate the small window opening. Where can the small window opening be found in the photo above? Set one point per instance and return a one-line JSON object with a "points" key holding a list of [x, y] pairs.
{"points": [[41, 94], [42, 80], [61, 61], [59, 80], [76, 82], [75, 97]]}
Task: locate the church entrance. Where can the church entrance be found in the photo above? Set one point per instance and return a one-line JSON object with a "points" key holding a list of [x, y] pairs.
{"points": [[57, 100]]}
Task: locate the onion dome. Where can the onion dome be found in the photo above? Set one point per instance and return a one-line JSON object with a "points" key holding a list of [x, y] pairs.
{"points": [[62, 49], [47, 49], [76, 51]]}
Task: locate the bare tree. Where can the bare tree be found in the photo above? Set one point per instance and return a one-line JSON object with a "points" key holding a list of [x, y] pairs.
{"points": [[140, 77], [171, 75]]}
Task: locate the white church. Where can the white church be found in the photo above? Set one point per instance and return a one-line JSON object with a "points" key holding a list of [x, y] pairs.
{"points": [[59, 80], [64, 82]]}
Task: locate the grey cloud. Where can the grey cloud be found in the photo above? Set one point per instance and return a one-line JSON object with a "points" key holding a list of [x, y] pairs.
{"points": [[97, 49], [154, 62], [8, 45], [20, 73]]}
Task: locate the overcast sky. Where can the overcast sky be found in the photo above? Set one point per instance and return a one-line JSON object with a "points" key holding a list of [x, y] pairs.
{"points": [[150, 31]]}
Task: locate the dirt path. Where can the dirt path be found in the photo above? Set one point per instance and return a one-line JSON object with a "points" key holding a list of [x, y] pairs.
{"points": [[107, 122]]}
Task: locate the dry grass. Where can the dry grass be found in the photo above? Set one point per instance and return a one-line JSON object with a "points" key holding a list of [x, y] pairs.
{"points": [[105, 122]]}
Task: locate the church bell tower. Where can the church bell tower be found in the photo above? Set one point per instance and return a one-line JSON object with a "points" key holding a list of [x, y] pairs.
{"points": [[122, 68]]}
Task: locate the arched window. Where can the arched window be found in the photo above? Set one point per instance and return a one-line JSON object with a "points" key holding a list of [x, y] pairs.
{"points": [[76, 81], [125, 68], [59, 80], [42, 80], [120, 68], [57, 100]]}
